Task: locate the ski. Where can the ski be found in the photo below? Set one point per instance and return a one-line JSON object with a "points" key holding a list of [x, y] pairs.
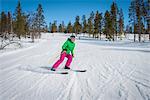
{"points": [[56, 72], [66, 71], [53, 72], [74, 70], [62, 71], [78, 70]]}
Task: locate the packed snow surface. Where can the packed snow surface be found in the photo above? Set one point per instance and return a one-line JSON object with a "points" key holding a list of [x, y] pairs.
{"points": [[115, 71]]}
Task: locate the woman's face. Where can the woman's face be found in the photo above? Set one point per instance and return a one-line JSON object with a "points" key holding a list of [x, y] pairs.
{"points": [[72, 39]]}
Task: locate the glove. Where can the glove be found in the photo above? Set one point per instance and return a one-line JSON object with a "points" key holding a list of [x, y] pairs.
{"points": [[72, 55]]}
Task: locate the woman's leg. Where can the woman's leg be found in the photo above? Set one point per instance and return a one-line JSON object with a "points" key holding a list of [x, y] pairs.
{"points": [[69, 60], [62, 56]]}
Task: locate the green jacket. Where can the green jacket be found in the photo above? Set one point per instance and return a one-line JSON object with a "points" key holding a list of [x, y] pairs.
{"points": [[68, 46]]}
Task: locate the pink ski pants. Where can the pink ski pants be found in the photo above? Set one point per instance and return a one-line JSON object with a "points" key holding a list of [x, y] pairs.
{"points": [[61, 59]]}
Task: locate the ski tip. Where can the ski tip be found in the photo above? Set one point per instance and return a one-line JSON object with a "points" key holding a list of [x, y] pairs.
{"points": [[82, 71], [64, 73], [79, 70]]}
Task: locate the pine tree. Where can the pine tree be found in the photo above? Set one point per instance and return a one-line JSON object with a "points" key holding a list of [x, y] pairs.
{"points": [[29, 18], [108, 26], [3, 22], [9, 23], [132, 16], [97, 24], [19, 25], [63, 27], [114, 19], [84, 29], [50, 27], [121, 23], [60, 28], [90, 27], [146, 15], [138, 15], [90, 24], [39, 19], [26, 17], [127, 29], [100, 24], [77, 25], [31, 26], [69, 28], [92, 16], [137, 12], [54, 27], [46, 28]]}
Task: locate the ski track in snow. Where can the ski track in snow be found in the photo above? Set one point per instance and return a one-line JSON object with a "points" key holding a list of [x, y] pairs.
{"points": [[111, 74]]}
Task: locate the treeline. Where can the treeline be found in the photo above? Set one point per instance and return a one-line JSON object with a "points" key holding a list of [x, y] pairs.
{"points": [[139, 14], [111, 24], [23, 24]]}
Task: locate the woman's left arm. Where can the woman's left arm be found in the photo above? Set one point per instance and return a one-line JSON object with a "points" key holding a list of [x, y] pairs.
{"points": [[72, 51]]}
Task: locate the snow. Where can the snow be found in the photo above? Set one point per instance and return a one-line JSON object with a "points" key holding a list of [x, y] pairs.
{"points": [[115, 71]]}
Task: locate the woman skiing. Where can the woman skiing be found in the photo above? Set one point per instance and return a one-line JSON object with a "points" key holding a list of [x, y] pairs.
{"points": [[67, 51]]}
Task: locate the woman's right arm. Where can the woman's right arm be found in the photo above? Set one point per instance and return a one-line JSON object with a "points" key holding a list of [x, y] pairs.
{"points": [[64, 46]]}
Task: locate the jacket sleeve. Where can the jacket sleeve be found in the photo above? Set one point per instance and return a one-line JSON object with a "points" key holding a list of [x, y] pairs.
{"points": [[65, 45], [72, 52]]}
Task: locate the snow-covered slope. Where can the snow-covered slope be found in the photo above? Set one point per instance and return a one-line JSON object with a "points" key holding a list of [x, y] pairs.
{"points": [[115, 71]]}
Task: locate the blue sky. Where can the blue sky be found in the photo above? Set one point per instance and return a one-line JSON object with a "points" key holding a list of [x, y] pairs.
{"points": [[65, 10]]}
